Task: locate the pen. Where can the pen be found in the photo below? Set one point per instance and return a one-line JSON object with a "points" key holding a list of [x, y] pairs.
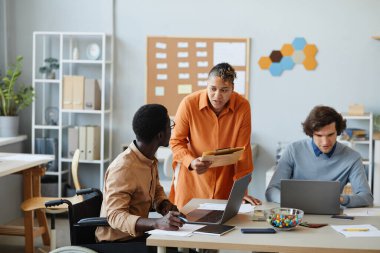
{"points": [[356, 229]]}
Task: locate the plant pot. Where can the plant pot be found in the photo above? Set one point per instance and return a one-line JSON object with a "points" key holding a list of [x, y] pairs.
{"points": [[9, 126]]}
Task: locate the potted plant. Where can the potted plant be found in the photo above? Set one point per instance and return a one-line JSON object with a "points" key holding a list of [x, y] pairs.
{"points": [[48, 71], [13, 99]]}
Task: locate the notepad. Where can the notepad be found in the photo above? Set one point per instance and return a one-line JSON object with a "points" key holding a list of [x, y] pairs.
{"points": [[222, 157], [217, 229]]}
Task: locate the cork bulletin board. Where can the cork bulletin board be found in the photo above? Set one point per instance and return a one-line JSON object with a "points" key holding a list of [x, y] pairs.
{"points": [[178, 66]]}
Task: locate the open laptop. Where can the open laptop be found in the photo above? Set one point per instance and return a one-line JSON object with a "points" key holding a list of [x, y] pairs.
{"points": [[313, 197], [200, 216]]}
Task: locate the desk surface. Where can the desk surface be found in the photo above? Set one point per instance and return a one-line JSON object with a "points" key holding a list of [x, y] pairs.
{"points": [[15, 162], [301, 239]]}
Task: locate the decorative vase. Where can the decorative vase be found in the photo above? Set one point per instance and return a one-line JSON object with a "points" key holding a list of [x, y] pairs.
{"points": [[9, 126]]}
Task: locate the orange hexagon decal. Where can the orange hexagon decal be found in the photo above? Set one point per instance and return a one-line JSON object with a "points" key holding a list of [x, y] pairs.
{"points": [[287, 50], [265, 62], [310, 50], [310, 63]]}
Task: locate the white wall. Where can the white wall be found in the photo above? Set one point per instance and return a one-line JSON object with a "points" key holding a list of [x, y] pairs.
{"points": [[348, 59]]}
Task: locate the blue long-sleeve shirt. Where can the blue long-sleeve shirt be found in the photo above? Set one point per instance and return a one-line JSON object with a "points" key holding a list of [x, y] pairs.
{"points": [[299, 161]]}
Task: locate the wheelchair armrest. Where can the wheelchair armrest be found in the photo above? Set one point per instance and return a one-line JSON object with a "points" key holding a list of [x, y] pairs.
{"points": [[93, 221]]}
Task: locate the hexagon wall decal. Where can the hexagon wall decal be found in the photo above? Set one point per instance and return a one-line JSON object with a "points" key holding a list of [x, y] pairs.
{"points": [[299, 52]]}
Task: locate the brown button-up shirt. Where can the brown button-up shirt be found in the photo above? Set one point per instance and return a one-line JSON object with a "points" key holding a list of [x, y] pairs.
{"points": [[131, 189]]}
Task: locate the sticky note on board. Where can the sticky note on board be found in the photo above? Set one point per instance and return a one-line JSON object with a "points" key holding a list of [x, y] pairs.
{"points": [[182, 45], [183, 64], [201, 53], [162, 77], [183, 54], [184, 88], [201, 44], [161, 45], [159, 91], [161, 55], [183, 76], [162, 66]]}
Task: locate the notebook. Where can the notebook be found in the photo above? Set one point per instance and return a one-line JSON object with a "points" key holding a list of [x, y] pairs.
{"points": [[313, 197], [214, 229], [200, 216]]}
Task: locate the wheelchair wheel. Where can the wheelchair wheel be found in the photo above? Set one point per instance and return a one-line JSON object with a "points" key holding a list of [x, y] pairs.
{"points": [[72, 249]]}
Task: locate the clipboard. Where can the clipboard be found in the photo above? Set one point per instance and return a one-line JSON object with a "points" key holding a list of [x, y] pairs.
{"points": [[221, 157]]}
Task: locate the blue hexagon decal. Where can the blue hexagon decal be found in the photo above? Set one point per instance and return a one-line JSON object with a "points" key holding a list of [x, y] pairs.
{"points": [[299, 43], [287, 63], [276, 69]]}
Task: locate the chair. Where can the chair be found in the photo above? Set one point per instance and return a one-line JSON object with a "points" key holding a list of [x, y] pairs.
{"points": [[33, 204], [84, 219]]}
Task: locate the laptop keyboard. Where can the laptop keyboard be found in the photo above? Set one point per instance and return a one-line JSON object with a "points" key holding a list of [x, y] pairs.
{"points": [[212, 217]]}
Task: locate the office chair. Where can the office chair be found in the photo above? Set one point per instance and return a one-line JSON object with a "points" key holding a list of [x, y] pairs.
{"points": [[84, 219], [33, 204]]}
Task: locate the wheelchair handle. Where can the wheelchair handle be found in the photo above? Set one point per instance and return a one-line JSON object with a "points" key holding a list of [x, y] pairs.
{"points": [[57, 202], [88, 191]]}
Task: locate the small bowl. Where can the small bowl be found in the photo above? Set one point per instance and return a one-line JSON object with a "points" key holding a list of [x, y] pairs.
{"points": [[284, 218]]}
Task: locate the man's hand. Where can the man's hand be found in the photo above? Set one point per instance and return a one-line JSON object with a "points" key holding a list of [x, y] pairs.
{"points": [[199, 166], [169, 222], [251, 200], [166, 206]]}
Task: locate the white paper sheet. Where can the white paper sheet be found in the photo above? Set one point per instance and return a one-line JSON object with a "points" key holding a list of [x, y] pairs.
{"points": [[201, 44], [162, 66], [182, 54], [362, 211], [183, 64], [186, 230], [239, 82], [233, 53], [161, 45], [159, 91], [161, 55], [162, 77], [182, 45], [201, 53], [372, 231], [244, 208]]}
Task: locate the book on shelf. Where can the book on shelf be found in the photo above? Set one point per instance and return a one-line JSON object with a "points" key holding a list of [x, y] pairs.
{"points": [[214, 229]]}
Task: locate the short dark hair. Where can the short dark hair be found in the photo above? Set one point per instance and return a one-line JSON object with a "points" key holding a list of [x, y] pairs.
{"points": [[224, 71], [322, 116], [149, 120]]}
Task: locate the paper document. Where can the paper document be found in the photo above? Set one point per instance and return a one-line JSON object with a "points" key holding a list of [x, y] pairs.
{"points": [[364, 211], [221, 157], [244, 208], [365, 230], [186, 230]]}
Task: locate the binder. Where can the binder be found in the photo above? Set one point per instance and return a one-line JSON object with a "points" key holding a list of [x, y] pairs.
{"points": [[93, 143], [221, 157], [77, 91], [72, 140], [91, 94], [67, 99], [82, 142]]}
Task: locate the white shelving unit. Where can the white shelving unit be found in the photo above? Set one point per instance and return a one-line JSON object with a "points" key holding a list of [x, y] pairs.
{"points": [[364, 147], [71, 51]]}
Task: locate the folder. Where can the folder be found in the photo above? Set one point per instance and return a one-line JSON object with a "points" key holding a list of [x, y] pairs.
{"points": [[222, 157], [67, 98], [91, 94], [72, 140], [82, 142], [78, 92], [93, 143]]}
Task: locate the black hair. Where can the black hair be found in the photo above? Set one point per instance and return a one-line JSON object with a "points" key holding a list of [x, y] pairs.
{"points": [[223, 70], [322, 116], [149, 120]]}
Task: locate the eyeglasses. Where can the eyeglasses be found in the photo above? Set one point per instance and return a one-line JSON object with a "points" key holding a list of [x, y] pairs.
{"points": [[172, 124]]}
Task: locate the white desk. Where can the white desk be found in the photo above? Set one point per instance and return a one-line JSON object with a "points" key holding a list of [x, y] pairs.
{"points": [[299, 240], [32, 168]]}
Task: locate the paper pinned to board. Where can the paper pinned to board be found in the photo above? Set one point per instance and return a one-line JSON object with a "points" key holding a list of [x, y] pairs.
{"points": [[222, 157]]}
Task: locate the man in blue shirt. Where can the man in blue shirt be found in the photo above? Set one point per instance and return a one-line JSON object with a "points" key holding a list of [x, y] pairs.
{"points": [[323, 158]]}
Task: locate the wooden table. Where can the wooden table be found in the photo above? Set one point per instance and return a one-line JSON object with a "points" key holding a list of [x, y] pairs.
{"points": [[299, 240], [32, 167]]}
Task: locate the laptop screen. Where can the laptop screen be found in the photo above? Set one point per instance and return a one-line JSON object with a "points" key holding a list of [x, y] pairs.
{"points": [[313, 197]]}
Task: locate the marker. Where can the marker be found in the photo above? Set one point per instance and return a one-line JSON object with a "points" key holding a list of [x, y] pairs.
{"points": [[356, 229], [183, 219]]}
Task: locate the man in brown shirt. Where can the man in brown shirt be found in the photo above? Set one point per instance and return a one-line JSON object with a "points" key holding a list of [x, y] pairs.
{"points": [[131, 185]]}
